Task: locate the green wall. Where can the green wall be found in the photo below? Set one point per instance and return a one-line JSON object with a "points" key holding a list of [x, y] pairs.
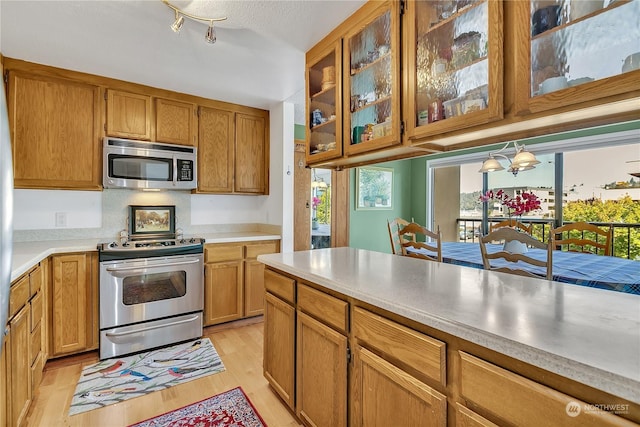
{"points": [[298, 132], [368, 228]]}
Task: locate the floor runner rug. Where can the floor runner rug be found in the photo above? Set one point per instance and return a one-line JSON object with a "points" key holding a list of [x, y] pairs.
{"points": [[231, 408], [114, 380]]}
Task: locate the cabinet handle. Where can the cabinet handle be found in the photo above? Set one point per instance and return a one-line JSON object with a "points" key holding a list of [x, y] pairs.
{"points": [[149, 328]]}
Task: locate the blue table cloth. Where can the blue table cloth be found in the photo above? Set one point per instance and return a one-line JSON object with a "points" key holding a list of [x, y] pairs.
{"points": [[605, 272]]}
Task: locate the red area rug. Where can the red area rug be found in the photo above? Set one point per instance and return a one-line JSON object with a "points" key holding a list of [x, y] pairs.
{"points": [[231, 408]]}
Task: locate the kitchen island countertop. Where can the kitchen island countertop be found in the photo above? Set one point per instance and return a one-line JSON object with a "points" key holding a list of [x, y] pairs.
{"points": [[588, 335], [28, 254]]}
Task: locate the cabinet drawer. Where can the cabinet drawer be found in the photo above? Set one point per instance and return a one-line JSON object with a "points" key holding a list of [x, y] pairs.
{"points": [[35, 280], [328, 309], [36, 344], [36, 310], [260, 249], [424, 354], [520, 401], [19, 295], [223, 253], [467, 418], [279, 285]]}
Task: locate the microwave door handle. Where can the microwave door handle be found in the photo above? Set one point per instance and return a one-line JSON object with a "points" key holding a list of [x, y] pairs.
{"points": [[175, 170], [168, 264]]}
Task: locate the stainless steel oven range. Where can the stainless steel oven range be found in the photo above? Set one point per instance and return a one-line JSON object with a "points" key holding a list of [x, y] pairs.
{"points": [[151, 293]]}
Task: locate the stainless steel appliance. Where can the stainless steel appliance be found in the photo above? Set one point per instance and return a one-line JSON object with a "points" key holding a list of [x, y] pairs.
{"points": [[148, 165], [6, 212], [151, 289]]}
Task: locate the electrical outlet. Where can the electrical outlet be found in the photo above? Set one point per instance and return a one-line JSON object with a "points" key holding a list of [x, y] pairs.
{"points": [[61, 219]]}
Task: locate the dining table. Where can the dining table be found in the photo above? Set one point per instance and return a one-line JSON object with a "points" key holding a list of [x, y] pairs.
{"points": [[578, 268]]}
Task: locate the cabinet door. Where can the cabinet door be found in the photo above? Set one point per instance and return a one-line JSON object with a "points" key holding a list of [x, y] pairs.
{"points": [[371, 97], [279, 347], [575, 52], [454, 67], [5, 379], [216, 132], [128, 115], [20, 366], [386, 395], [253, 288], [71, 304], [321, 373], [223, 292], [252, 154], [175, 122], [324, 102], [54, 133]]}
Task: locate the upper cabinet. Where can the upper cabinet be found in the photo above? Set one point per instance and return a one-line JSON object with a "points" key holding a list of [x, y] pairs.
{"points": [[54, 126], [575, 51], [252, 154], [175, 122], [128, 115], [454, 65], [371, 95], [324, 102]]}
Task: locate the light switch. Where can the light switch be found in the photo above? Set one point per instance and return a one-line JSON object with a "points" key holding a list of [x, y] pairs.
{"points": [[61, 219]]}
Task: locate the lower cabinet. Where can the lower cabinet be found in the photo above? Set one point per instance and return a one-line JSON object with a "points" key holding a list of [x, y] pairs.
{"points": [[5, 382], [234, 280], [279, 347], [73, 302], [386, 395], [20, 365]]}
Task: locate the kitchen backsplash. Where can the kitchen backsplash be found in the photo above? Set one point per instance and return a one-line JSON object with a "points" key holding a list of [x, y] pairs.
{"points": [[60, 215]]}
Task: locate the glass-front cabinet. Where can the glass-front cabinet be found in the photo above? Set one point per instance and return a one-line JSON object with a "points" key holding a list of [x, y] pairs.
{"points": [[454, 70], [572, 51], [324, 104], [371, 92]]}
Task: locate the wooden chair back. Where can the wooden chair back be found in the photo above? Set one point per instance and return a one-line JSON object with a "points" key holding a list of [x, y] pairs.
{"points": [[396, 242], [514, 223], [429, 249], [583, 237], [505, 234]]}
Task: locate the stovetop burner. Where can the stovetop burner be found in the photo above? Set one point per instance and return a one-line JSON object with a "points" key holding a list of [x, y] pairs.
{"points": [[149, 248]]}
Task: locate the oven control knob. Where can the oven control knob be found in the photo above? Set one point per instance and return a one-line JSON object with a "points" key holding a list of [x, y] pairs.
{"points": [[192, 240], [125, 244], [113, 245], [182, 241]]}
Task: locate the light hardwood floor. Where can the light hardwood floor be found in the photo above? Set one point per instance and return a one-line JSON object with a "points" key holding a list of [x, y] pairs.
{"points": [[240, 347]]}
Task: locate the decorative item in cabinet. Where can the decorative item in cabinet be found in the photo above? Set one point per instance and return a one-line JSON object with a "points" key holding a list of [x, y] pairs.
{"points": [[572, 44], [456, 66], [323, 105], [371, 82]]}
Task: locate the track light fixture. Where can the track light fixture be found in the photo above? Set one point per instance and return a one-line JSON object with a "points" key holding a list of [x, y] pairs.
{"points": [[522, 161], [210, 35]]}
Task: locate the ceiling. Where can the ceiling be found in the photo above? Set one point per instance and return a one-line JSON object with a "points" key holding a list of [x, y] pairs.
{"points": [[258, 59]]}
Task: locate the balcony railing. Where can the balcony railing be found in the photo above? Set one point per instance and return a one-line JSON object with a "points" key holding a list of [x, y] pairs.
{"points": [[626, 237]]}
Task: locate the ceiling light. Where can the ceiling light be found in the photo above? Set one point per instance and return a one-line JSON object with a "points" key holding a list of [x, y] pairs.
{"points": [[210, 36], [177, 24], [522, 161]]}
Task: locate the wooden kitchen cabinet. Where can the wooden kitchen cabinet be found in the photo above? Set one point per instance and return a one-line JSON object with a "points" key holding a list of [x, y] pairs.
{"points": [[5, 379], [580, 60], [454, 65], [252, 154], [20, 366], [54, 125], [128, 115], [233, 152], [234, 280], [216, 153], [175, 122], [73, 304]]}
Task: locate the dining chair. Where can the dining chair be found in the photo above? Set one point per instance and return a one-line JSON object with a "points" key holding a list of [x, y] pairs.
{"points": [[583, 237], [523, 265], [513, 223], [429, 249], [396, 242]]}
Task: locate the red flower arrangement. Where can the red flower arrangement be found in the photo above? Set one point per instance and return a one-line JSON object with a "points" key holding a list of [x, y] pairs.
{"points": [[521, 204], [315, 202]]}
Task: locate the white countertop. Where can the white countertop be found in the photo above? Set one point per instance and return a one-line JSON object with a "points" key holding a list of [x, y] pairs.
{"points": [[588, 335], [28, 254]]}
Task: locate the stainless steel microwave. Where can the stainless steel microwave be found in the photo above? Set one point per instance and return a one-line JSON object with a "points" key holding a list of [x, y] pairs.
{"points": [[148, 165]]}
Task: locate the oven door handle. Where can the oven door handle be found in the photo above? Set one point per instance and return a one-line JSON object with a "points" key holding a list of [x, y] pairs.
{"points": [[143, 267], [149, 328]]}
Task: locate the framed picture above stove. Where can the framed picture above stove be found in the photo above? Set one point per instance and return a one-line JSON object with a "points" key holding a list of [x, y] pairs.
{"points": [[147, 222]]}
